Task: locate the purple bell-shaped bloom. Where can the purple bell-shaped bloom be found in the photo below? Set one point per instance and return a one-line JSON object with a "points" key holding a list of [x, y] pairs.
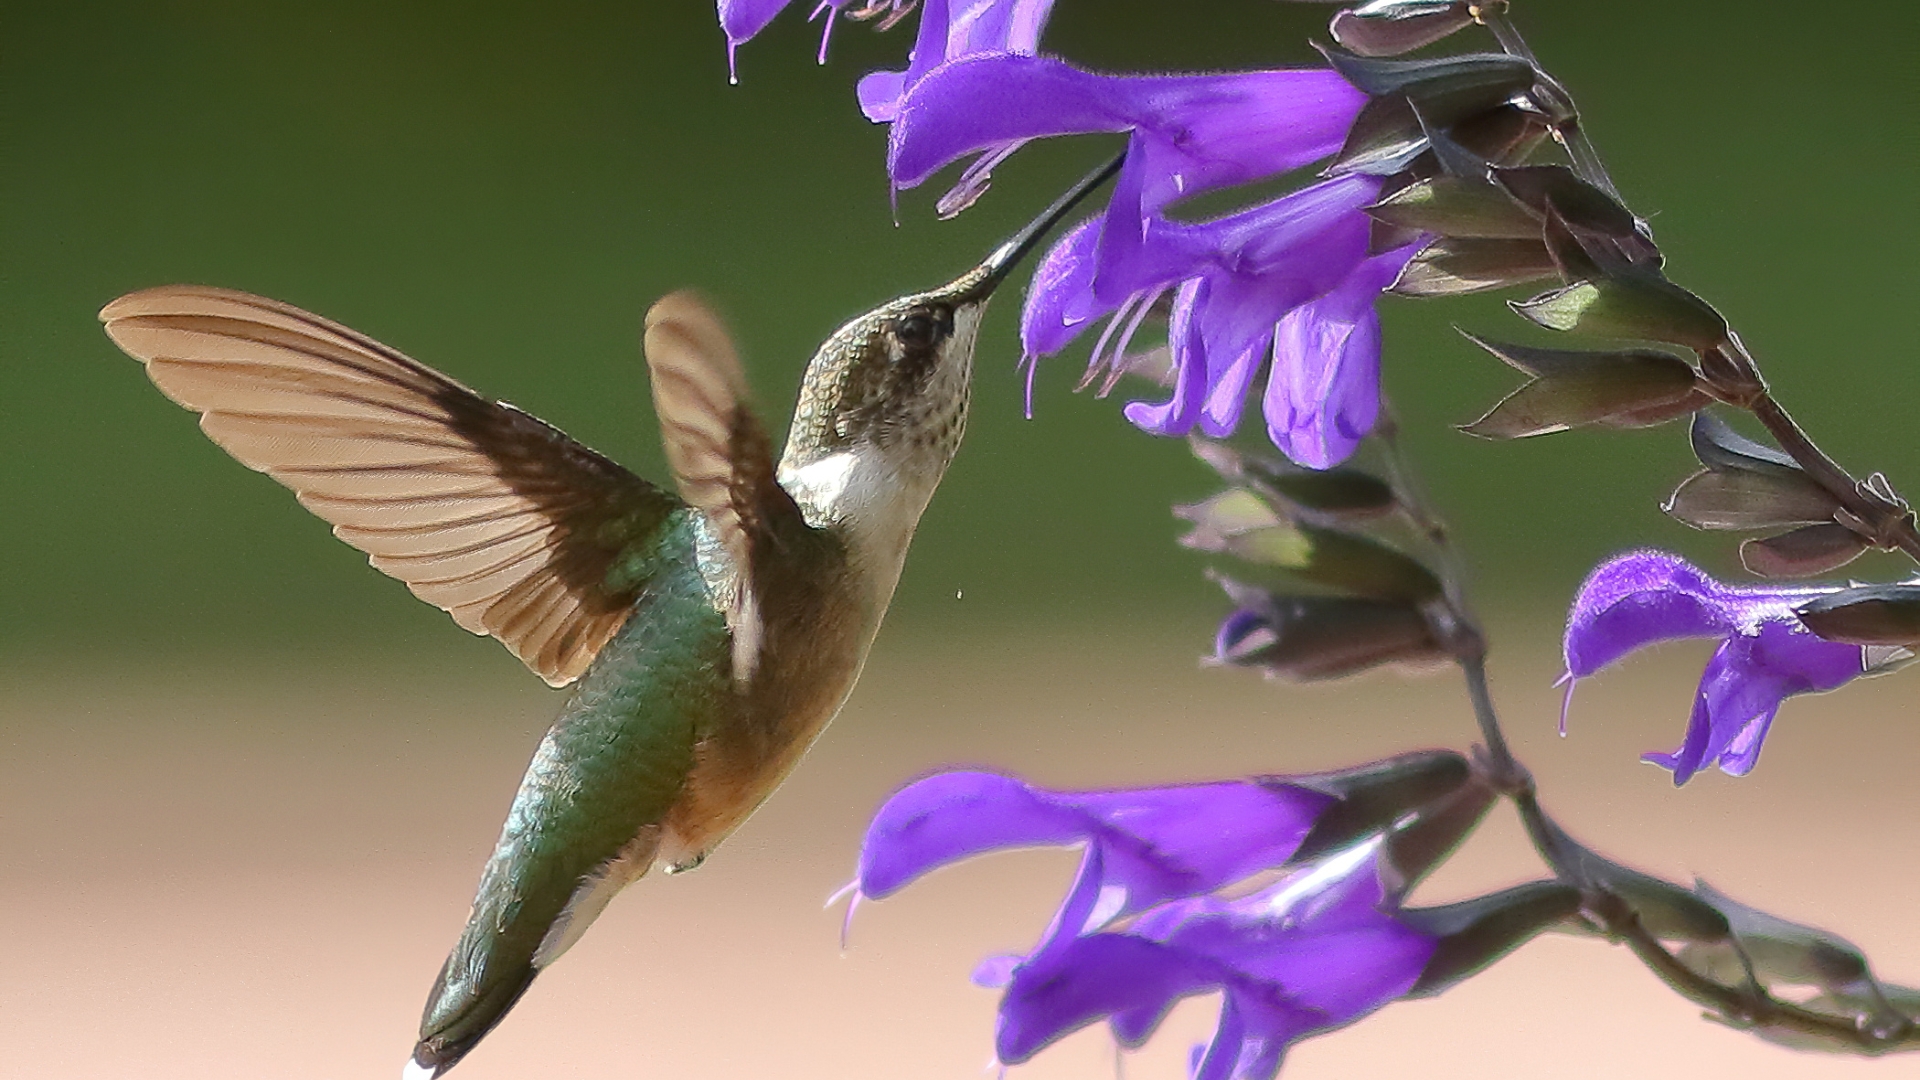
{"points": [[1150, 919], [1765, 655]]}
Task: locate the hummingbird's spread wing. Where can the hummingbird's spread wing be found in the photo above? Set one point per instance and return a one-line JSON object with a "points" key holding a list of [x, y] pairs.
{"points": [[484, 511], [721, 458]]}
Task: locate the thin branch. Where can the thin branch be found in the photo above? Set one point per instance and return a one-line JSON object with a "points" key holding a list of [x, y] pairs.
{"points": [[1507, 774], [1748, 1007], [1888, 523]]}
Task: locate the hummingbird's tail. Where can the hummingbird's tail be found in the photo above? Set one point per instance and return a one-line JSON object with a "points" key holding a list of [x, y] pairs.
{"points": [[454, 1024], [522, 921]]}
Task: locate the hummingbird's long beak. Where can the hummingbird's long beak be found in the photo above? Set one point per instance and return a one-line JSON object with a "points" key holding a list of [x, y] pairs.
{"points": [[1008, 255]]}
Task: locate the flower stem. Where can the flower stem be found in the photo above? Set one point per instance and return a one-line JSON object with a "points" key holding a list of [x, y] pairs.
{"points": [[1888, 522], [1507, 774], [1749, 1006]]}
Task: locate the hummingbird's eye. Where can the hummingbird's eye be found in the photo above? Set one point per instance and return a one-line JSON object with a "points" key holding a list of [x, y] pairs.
{"points": [[915, 330]]}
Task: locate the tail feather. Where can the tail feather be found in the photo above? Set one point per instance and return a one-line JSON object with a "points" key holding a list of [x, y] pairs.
{"points": [[454, 1024]]}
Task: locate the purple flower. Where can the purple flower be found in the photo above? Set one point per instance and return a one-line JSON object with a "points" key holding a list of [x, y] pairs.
{"points": [[1187, 133], [1146, 921], [1286, 286], [1765, 654], [1152, 843], [950, 29]]}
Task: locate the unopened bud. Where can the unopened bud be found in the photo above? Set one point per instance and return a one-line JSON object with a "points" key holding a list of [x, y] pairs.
{"points": [[1646, 307], [1455, 266], [1807, 551], [1454, 206], [1749, 500], [1321, 637], [1392, 27], [1573, 389]]}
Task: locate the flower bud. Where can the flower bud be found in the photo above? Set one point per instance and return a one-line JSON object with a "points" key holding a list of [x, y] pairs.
{"points": [[1392, 27], [1455, 266], [1639, 306], [1456, 206], [1572, 389], [1807, 551]]}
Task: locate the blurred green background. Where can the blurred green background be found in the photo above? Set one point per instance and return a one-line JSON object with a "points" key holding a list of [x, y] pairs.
{"points": [[501, 190]]}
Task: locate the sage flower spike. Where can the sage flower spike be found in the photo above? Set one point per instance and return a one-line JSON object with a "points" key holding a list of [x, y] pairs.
{"points": [[1766, 653]]}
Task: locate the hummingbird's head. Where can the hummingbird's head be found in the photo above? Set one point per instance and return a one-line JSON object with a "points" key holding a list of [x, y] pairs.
{"points": [[894, 383]]}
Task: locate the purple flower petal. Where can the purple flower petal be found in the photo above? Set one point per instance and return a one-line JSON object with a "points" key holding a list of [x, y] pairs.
{"points": [[1323, 396], [1177, 414], [742, 19], [1150, 843], [949, 31], [1286, 251], [1146, 923], [1204, 131], [1637, 599], [1060, 302], [951, 816], [1742, 689], [1765, 654], [1090, 978]]}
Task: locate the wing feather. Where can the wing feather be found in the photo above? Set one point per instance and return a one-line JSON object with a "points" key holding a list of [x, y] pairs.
{"points": [[482, 510], [721, 458]]}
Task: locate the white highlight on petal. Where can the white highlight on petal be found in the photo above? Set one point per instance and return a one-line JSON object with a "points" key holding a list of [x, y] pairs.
{"points": [[1317, 880], [1111, 901]]}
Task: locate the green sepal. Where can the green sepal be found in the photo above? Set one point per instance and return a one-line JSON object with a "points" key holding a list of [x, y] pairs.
{"points": [[1573, 388], [1445, 89], [1506, 133], [1373, 797], [1721, 448], [1392, 27], [1779, 953], [1240, 523], [1748, 500], [1546, 189], [1417, 848], [1666, 910], [1473, 934], [1460, 265], [1342, 491], [1384, 138], [1325, 637], [1808, 551], [1870, 615], [1640, 306], [1457, 206]]}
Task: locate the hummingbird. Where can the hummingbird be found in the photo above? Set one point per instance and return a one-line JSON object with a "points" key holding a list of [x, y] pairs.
{"points": [[708, 633]]}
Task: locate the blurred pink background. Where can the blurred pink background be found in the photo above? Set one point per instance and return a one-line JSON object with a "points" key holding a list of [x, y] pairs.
{"points": [[257, 871]]}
